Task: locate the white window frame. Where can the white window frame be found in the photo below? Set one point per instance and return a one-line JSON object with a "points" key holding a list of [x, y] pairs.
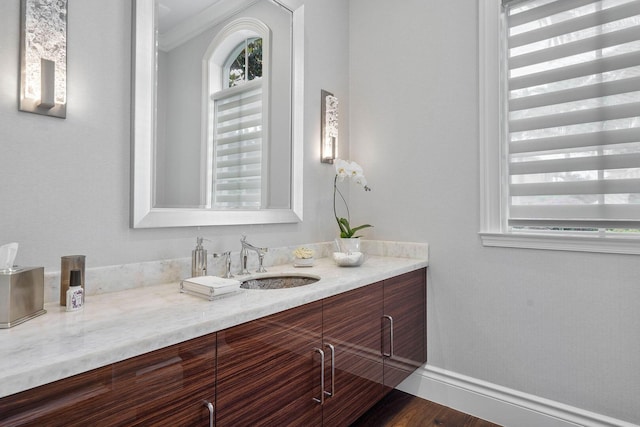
{"points": [[493, 224]]}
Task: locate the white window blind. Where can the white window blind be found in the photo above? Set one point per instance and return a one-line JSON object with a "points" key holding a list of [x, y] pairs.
{"points": [[237, 177], [573, 138]]}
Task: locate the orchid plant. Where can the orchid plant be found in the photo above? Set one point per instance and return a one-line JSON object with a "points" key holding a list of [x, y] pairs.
{"points": [[352, 171]]}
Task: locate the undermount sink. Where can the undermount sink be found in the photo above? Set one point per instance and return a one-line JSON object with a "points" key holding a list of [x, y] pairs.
{"points": [[279, 281]]}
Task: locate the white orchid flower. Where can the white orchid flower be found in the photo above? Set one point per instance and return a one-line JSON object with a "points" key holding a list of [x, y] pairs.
{"points": [[342, 169], [360, 180], [353, 171]]}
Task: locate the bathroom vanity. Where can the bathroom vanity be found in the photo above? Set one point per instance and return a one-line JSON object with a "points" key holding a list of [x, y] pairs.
{"points": [[320, 354]]}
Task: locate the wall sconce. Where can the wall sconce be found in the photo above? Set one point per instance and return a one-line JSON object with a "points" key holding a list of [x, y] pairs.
{"points": [[328, 127], [43, 57]]}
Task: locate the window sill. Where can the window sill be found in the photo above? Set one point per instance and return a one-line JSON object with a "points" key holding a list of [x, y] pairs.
{"points": [[613, 245]]}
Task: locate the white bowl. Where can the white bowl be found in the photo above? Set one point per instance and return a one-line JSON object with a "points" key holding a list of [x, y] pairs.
{"points": [[348, 259]]}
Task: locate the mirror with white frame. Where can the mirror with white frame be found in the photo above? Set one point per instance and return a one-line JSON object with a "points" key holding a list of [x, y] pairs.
{"points": [[217, 112]]}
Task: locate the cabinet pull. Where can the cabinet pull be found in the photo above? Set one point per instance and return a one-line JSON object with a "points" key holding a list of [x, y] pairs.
{"points": [[333, 371], [209, 406], [390, 354], [321, 400]]}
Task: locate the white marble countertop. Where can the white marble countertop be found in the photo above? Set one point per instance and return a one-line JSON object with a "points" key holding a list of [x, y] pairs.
{"points": [[119, 325]]}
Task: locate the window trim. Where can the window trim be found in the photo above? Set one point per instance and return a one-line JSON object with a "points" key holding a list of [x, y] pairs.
{"points": [[493, 230]]}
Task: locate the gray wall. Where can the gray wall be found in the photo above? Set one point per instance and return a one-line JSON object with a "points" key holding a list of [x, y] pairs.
{"points": [[66, 182], [560, 325]]}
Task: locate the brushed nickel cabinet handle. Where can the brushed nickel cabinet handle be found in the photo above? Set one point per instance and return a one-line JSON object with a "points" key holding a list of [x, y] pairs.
{"points": [[390, 354], [321, 400], [333, 371], [209, 406]]}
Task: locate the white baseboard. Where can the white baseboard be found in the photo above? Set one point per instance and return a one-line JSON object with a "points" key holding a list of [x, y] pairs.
{"points": [[500, 405]]}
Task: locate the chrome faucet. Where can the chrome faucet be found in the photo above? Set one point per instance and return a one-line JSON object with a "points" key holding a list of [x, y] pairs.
{"points": [[227, 263], [246, 246]]}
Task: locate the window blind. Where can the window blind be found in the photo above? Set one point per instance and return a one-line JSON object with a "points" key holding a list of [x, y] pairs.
{"points": [[237, 165], [573, 137]]}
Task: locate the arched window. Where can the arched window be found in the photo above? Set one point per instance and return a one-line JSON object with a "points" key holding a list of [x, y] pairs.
{"points": [[237, 72], [244, 63]]}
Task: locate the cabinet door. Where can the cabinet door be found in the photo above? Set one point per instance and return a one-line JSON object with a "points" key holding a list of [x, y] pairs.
{"points": [[405, 305], [351, 324], [167, 387], [80, 400], [269, 370]]}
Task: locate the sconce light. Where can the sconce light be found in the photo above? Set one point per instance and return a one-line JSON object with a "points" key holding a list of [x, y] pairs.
{"points": [[328, 127], [43, 57]]}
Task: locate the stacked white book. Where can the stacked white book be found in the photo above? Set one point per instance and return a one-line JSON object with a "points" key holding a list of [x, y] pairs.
{"points": [[209, 287]]}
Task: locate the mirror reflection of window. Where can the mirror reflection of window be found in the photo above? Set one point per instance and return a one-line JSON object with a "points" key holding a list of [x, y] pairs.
{"points": [[239, 158], [245, 62], [180, 52]]}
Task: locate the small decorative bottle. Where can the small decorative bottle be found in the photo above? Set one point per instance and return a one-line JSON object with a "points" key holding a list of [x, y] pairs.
{"points": [[75, 294]]}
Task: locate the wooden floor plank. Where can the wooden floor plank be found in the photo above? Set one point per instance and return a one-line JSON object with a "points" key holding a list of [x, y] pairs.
{"points": [[399, 409]]}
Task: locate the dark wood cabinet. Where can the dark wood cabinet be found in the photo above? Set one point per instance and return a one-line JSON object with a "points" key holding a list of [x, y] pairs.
{"points": [[167, 387], [404, 326], [351, 326], [269, 370], [379, 333], [323, 363]]}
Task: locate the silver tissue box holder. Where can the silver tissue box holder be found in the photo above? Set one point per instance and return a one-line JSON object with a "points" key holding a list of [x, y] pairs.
{"points": [[21, 295]]}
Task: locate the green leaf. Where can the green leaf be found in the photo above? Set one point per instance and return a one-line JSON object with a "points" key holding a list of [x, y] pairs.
{"points": [[344, 226], [360, 227], [345, 229]]}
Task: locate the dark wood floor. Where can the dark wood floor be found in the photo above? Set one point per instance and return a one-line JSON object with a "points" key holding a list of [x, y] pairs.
{"points": [[399, 409]]}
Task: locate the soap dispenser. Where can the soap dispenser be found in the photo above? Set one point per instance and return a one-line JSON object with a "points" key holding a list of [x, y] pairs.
{"points": [[199, 259]]}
